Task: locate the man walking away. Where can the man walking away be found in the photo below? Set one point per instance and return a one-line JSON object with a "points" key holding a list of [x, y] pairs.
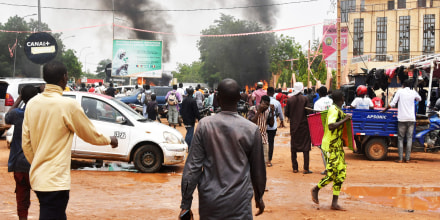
{"points": [[299, 127], [83, 88], [257, 94], [272, 130], [100, 89], [145, 98], [47, 140], [190, 113], [152, 108], [332, 145], [110, 91], [17, 162], [173, 98], [92, 89], [406, 117], [226, 162], [181, 91]]}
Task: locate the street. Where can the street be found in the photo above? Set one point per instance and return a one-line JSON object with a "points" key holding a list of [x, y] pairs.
{"points": [[372, 190]]}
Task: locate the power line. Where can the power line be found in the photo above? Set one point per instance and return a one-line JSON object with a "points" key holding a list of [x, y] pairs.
{"points": [[162, 10]]}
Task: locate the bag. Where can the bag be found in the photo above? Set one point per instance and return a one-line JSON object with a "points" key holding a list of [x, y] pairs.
{"points": [[147, 98], [172, 99]]}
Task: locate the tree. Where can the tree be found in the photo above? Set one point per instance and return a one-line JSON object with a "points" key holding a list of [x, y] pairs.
{"points": [[100, 69], [72, 63], [243, 58], [285, 48], [23, 66], [189, 73]]}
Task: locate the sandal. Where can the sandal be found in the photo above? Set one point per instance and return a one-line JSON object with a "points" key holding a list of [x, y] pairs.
{"points": [[269, 164]]}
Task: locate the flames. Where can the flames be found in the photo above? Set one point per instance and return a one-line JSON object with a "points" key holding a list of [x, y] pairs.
{"points": [[143, 81], [253, 87]]}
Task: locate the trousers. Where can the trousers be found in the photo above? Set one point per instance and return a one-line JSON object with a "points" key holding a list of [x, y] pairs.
{"points": [[295, 163], [336, 169], [22, 193], [271, 139], [53, 204], [405, 128]]}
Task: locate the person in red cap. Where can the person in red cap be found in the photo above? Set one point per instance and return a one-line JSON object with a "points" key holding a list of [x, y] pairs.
{"points": [[362, 101]]}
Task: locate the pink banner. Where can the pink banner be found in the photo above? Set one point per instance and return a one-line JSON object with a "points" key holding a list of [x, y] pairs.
{"points": [[330, 45]]}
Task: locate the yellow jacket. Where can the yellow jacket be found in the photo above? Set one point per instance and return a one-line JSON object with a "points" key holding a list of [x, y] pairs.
{"points": [[50, 122]]}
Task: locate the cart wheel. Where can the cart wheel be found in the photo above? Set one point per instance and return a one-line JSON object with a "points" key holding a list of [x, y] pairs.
{"points": [[376, 149]]}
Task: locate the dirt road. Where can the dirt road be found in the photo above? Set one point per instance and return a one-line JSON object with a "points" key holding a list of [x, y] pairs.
{"points": [[372, 190]]}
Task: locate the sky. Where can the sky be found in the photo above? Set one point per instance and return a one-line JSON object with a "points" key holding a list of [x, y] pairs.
{"points": [[95, 44]]}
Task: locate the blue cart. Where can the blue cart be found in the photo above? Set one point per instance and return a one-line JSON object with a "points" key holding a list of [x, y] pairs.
{"points": [[374, 131]]}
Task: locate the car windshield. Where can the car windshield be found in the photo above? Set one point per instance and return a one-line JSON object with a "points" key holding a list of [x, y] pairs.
{"points": [[132, 112]]}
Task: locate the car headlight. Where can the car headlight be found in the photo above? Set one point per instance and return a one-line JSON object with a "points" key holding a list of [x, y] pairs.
{"points": [[170, 138]]}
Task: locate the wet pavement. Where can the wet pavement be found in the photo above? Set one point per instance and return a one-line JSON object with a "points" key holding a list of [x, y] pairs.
{"points": [[408, 198]]}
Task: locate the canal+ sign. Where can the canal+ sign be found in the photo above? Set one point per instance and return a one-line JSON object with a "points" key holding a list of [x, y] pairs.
{"points": [[40, 48]]}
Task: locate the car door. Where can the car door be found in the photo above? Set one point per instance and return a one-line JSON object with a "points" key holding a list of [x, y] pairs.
{"points": [[103, 115]]}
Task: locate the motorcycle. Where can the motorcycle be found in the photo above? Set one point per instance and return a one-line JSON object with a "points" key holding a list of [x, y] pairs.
{"points": [[427, 132], [204, 112], [243, 108]]}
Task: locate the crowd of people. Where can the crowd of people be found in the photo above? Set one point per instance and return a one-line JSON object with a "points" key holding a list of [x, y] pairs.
{"points": [[227, 154]]}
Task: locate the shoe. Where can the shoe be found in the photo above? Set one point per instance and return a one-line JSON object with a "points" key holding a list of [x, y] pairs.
{"points": [[324, 172], [307, 172], [269, 164], [295, 171], [399, 161], [407, 161]]}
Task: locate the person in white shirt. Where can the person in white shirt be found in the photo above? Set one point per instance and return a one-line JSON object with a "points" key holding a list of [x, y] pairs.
{"points": [[181, 91], [406, 116], [362, 101], [324, 102]]}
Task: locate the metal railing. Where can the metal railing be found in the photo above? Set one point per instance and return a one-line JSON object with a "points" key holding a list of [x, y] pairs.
{"points": [[384, 6]]}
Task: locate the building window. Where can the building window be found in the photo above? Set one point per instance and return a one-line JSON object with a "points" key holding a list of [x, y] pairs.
{"points": [[428, 34], [347, 7], [390, 5], [404, 38], [381, 39], [358, 37], [421, 3], [401, 3]]}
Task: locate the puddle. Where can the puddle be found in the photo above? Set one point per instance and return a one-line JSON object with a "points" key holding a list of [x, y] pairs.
{"points": [[408, 198], [105, 166]]}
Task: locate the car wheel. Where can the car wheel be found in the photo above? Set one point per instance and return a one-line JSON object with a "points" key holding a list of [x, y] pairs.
{"points": [[376, 149], [148, 159]]}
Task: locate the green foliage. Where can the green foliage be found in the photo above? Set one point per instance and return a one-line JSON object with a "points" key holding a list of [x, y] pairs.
{"points": [[100, 69], [286, 49], [23, 66], [72, 63], [189, 73], [244, 58]]}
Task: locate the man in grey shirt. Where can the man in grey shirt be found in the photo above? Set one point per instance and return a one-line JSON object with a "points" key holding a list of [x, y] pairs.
{"points": [[226, 162]]}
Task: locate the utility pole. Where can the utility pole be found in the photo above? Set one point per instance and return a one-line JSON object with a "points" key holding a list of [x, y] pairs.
{"points": [[39, 30], [338, 24], [308, 66]]}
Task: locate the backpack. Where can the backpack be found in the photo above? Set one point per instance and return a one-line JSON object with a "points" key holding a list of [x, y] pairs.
{"points": [[172, 99], [147, 97]]}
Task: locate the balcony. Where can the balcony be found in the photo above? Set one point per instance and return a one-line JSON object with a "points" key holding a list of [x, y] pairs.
{"points": [[385, 7]]}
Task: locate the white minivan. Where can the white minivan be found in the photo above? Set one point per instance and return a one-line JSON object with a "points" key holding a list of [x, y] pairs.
{"points": [[9, 92], [147, 144]]}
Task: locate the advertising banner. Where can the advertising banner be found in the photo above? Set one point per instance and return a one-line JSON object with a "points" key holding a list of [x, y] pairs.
{"points": [[330, 45], [137, 58]]}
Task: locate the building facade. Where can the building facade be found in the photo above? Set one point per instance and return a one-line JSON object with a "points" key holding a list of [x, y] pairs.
{"points": [[383, 32]]}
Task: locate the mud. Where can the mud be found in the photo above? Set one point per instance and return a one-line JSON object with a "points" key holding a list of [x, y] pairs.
{"points": [[372, 190]]}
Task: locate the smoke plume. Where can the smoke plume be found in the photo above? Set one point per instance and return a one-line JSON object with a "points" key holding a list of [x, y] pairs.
{"points": [[132, 10], [264, 15]]}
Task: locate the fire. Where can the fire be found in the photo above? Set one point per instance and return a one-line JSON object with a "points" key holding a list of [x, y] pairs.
{"points": [[253, 87]]}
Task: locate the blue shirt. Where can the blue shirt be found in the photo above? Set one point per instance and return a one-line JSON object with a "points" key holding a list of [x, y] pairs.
{"points": [[17, 161]]}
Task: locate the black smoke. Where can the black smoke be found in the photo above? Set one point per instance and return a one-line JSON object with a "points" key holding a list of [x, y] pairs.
{"points": [[265, 14], [140, 13]]}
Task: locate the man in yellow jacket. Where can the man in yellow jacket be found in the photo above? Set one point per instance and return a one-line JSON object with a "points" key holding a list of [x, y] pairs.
{"points": [[50, 121]]}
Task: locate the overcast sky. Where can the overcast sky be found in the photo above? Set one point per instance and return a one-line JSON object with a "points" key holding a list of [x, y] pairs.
{"points": [[95, 44]]}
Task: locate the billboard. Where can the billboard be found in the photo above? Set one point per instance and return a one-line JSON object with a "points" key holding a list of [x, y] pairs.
{"points": [[137, 58], [330, 45]]}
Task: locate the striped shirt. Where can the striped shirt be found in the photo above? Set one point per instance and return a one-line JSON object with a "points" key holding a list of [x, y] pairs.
{"points": [[262, 125]]}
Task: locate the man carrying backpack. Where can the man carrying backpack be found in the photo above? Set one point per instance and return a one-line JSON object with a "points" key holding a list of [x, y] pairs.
{"points": [[146, 97], [173, 98]]}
